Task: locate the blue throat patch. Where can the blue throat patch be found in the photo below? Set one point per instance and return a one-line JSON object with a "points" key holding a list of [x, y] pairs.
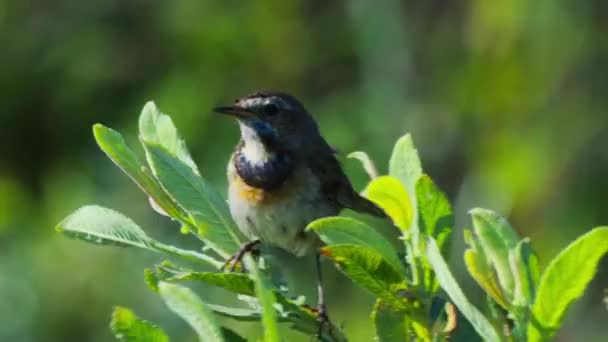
{"points": [[267, 176]]}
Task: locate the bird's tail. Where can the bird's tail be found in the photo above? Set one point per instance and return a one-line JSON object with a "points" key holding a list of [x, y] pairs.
{"points": [[363, 205]]}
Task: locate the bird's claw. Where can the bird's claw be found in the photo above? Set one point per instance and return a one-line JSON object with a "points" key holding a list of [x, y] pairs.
{"points": [[232, 262]]}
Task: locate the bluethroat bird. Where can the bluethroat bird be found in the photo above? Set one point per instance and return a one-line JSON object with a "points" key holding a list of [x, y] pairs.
{"points": [[284, 175]]}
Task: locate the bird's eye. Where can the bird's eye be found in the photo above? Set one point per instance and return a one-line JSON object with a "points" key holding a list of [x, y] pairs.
{"points": [[271, 109]]}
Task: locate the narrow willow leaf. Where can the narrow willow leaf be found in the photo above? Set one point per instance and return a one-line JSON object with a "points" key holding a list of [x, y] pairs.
{"points": [[484, 276], [344, 230], [158, 128], [233, 282], [524, 266], [115, 147], [104, 226], [238, 314], [266, 298], [390, 194], [366, 161], [435, 220], [435, 210], [497, 238], [207, 208], [368, 269], [405, 164], [191, 308], [447, 281], [565, 280], [127, 327], [390, 323]]}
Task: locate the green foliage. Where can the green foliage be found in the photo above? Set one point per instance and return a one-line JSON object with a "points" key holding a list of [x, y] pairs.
{"points": [[344, 230], [390, 323], [390, 195], [405, 287], [565, 280], [127, 327], [366, 161], [481, 324], [191, 308]]}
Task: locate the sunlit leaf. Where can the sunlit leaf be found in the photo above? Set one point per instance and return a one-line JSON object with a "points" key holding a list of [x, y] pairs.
{"points": [[158, 128], [127, 327], [497, 238], [344, 230], [484, 276], [115, 147], [207, 208], [447, 281], [565, 280], [390, 194], [191, 308]]}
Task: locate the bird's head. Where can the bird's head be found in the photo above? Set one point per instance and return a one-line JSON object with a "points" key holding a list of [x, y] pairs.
{"points": [[276, 120]]}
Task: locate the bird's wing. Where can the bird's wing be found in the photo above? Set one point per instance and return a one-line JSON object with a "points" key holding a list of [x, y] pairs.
{"points": [[335, 185]]}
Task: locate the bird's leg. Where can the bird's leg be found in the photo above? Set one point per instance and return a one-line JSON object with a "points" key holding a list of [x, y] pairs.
{"points": [[322, 315], [247, 247]]}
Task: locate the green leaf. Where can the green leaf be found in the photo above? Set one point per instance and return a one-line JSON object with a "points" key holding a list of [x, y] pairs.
{"points": [[344, 230], [103, 226], [436, 220], [368, 269], [484, 276], [233, 282], [436, 217], [405, 164], [390, 323], [128, 328], [447, 281], [366, 161], [524, 266], [158, 128], [115, 147], [565, 280], [497, 238], [266, 298], [390, 194], [239, 314], [191, 308], [195, 195]]}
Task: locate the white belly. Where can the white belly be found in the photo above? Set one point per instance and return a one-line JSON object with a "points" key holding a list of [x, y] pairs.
{"points": [[282, 222]]}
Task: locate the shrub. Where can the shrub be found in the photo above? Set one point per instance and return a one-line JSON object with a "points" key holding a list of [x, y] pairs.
{"points": [[523, 302]]}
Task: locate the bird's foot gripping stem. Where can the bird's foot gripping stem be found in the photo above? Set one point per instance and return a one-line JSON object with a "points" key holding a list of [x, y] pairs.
{"points": [[248, 247]]}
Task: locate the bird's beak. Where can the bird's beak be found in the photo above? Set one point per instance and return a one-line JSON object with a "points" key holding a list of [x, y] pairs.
{"points": [[234, 110]]}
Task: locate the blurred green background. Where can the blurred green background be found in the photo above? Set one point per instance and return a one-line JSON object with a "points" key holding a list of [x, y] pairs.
{"points": [[506, 100]]}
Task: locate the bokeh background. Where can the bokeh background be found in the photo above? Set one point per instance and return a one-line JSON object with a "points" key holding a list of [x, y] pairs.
{"points": [[506, 100]]}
